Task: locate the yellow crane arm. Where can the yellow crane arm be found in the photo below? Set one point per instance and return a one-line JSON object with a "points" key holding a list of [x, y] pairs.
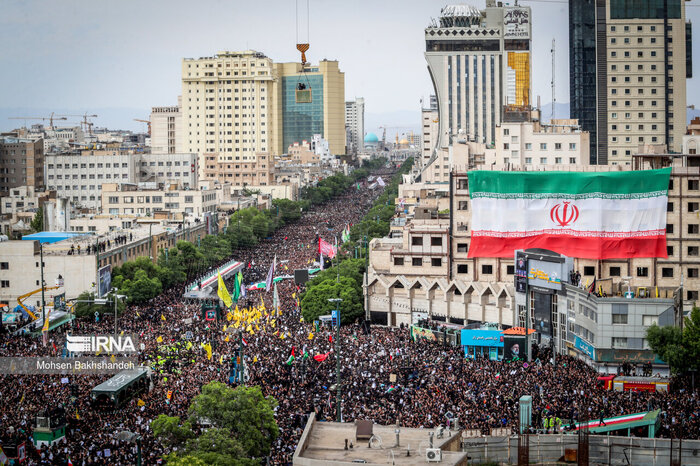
{"points": [[25, 296]]}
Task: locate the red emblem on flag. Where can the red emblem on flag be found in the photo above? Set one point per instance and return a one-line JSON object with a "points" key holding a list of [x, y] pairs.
{"points": [[564, 213]]}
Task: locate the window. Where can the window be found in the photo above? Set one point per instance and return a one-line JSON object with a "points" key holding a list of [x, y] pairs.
{"points": [[462, 247], [589, 270], [114, 199], [417, 241], [619, 342], [692, 250], [692, 207], [619, 318], [669, 228], [543, 160], [642, 271], [693, 185], [528, 146], [692, 295], [669, 251], [398, 260], [436, 240], [543, 146], [614, 271], [436, 262], [487, 269], [667, 272], [462, 268], [669, 207], [510, 270], [692, 272], [463, 205], [557, 146], [4, 283], [4, 265], [572, 146], [648, 321], [692, 228], [417, 261]]}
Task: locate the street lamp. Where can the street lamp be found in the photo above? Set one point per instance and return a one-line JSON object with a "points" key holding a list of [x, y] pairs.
{"points": [[130, 437], [337, 358]]}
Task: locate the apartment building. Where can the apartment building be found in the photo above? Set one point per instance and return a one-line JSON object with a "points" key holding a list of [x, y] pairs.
{"points": [[166, 129], [629, 65], [530, 143], [128, 199], [429, 124], [355, 125], [428, 252], [21, 163]]}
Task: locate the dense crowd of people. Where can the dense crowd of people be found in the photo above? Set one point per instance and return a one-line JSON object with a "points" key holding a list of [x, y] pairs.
{"points": [[432, 381]]}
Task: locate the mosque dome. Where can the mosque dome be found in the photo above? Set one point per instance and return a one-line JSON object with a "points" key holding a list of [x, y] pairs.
{"points": [[371, 138]]}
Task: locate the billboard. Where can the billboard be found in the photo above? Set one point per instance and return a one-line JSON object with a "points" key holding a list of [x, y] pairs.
{"points": [[514, 347], [104, 276], [516, 23], [520, 272], [59, 302], [418, 333], [490, 338], [543, 314], [545, 274]]}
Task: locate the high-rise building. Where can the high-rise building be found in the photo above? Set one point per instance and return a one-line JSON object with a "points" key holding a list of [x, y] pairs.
{"points": [[166, 129], [21, 163], [309, 100], [636, 92], [479, 61], [226, 105], [355, 125]]}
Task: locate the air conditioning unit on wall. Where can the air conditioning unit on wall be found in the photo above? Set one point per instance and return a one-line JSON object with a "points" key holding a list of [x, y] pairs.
{"points": [[433, 455]]}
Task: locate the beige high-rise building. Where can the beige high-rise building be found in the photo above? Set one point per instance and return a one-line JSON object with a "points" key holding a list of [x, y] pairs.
{"points": [[226, 105], [309, 100], [166, 129], [21, 163]]}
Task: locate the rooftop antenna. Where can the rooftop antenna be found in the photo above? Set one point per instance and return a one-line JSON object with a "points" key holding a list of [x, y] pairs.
{"points": [[554, 97]]}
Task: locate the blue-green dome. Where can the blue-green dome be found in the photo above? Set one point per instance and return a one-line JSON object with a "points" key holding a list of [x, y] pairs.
{"points": [[371, 138]]}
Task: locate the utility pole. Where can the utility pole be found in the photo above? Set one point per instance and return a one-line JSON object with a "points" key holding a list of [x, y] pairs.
{"points": [[43, 298], [241, 379], [114, 296], [527, 308], [337, 361]]}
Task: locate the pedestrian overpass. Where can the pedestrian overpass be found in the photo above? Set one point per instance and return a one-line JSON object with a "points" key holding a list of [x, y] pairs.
{"points": [[637, 425]]}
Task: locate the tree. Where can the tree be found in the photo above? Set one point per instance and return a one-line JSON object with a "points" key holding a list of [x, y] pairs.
{"points": [[315, 302], [680, 350], [169, 431], [37, 222], [86, 307], [244, 411]]}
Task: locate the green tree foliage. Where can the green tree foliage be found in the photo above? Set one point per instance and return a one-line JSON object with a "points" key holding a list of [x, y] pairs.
{"points": [[242, 427], [139, 280], [37, 223], [244, 411], [315, 302], [680, 350]]}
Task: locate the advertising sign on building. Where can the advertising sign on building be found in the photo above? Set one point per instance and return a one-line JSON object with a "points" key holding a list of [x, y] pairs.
{"points": [[545, 274], [59, 302], [520, 272], [516, 23], [105, 280], [514, 347], [585, 347]]}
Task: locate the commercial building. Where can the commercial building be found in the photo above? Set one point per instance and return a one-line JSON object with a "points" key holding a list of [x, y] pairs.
{"points": [[166, 129], [21, 163], [429, 124], [628, 67], [309, 100], [76, 259], [424, 265], [691, 140], [253, 170], [80, 177], [479, 62], [355, 125]]}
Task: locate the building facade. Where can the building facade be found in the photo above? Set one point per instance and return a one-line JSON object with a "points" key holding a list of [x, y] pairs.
{"points": [[629, 68], [226, 105], [21, 163], [254, 170], [430, 127], [125, 199], [166, 129], [355, 125], [309, 100], [479, 61]]}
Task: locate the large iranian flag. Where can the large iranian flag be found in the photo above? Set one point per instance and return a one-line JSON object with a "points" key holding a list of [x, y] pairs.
{"points": [[611, 215]]}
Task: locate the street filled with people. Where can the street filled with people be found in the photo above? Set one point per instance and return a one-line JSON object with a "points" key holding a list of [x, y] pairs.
{"points": [[433, 384]]}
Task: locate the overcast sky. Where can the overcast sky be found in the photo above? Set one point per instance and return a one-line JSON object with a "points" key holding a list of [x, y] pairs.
{"points": [[87, 54]]}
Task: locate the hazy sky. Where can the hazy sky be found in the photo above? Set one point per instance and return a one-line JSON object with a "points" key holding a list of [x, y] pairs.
{"points": [[83, 54]]}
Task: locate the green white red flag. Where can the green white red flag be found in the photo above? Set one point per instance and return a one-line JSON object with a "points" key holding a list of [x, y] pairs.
{"points": [[608, 215]]}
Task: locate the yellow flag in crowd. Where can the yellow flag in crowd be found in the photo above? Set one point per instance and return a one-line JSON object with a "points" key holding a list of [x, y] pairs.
{"points": [[262, 303], [255, 359], [77, 416], [294, 295], [137, 314], [221, 359], [162, 317], [251, 331], [207, 348], [140, 402], [159, 339], [311, 335], [283, 336], [223, 292], [249, 328], [226, 338], [229, 316], [301, 319]]}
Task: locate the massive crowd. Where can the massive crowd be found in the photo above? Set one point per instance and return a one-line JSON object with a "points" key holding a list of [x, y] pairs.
{"points": [[432, 380]]}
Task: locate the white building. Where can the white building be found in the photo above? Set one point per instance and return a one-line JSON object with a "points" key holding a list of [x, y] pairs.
{"points": [[430, 128], [529, 143], [355, 124], [479, 61], [166, 129], [320, 147]]}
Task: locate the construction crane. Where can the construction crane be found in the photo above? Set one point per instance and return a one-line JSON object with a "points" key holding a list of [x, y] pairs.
{"points": [[148, 123], [21, 299], [50, 118], [87, 124]]}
